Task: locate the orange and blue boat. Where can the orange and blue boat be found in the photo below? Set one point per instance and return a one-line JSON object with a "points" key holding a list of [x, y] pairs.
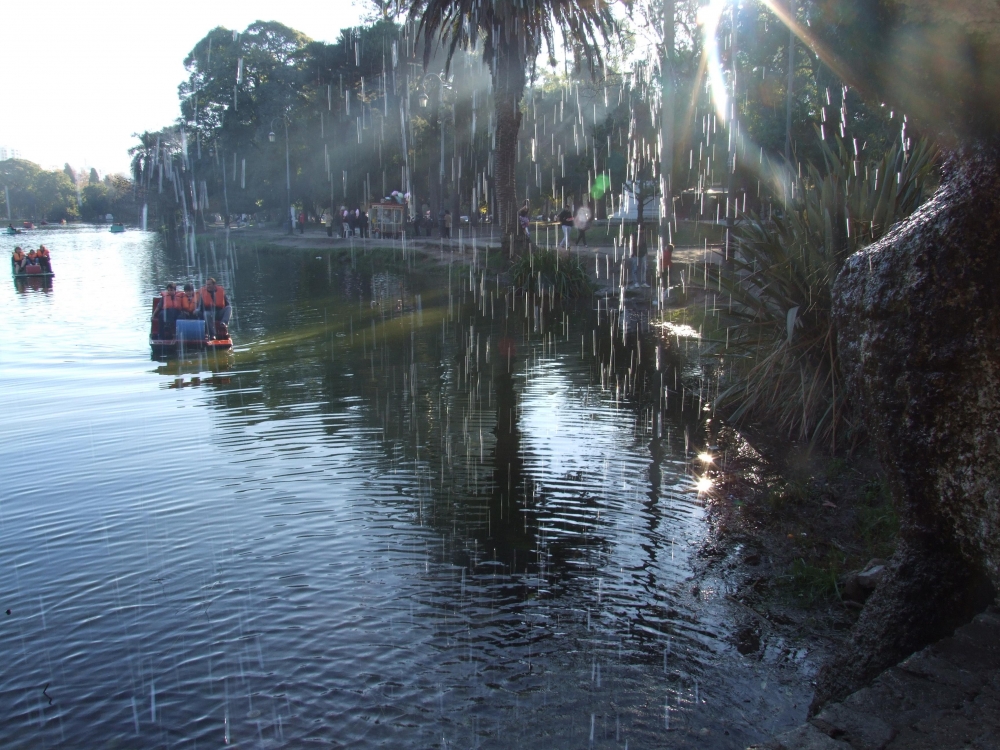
{"points": [[187, 336]]}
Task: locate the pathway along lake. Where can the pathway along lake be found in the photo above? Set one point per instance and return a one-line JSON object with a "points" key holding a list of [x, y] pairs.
{"points": [[357, 529]]}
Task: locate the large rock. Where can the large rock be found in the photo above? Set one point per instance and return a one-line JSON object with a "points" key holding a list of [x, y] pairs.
{"points": [[918, 319]]}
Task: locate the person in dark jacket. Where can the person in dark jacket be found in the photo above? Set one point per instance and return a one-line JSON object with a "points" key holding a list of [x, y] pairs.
{"points": [[566, 223]]}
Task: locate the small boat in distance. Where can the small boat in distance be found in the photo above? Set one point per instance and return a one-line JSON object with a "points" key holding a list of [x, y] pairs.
{"points": [[116, 228], [188, 335], [27, 225], [12, 230]]}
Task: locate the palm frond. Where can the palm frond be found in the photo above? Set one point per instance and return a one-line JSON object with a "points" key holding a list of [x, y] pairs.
{"points": [[528, 25]]}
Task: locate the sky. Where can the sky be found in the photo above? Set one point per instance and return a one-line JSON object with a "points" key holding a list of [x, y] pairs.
{"points": [[80, 78]]}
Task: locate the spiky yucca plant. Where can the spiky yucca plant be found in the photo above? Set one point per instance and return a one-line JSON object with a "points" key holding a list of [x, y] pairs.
{"points": [[564, 275], [776, 330]]}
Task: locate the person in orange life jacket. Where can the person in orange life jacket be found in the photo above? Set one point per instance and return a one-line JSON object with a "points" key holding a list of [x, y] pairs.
{"points": [[188, 302], [19, 259], [214, 308], [166, 309], [44, 260], [32, 258]]}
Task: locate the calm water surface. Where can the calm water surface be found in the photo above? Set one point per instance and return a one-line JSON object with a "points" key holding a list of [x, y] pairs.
{"points": [[399, 514]]}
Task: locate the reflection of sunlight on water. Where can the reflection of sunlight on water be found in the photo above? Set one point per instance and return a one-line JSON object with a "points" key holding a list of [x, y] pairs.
{"points": [[680, 329]]}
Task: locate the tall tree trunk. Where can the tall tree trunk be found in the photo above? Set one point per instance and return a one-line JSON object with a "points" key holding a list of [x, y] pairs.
{"points": [[790, 85], [731, 156], [461, 115], [434, 186], [667, 123], [508, 88]]}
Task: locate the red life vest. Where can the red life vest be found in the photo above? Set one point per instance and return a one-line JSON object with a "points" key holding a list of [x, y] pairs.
{"points": [[171, 300], [32, 256], [208, 302], [18, 256], [43, 252], [186, 302]]}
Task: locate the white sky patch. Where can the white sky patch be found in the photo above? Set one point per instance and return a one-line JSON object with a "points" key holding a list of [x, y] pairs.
{"points": [[80, 78], [708, 18]]}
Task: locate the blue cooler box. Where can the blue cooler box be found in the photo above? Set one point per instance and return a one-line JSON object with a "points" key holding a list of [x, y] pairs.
{"points": [[190, 330]]}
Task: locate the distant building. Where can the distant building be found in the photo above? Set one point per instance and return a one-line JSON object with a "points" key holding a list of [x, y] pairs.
{"points": [[9, 153], [628, 207]]}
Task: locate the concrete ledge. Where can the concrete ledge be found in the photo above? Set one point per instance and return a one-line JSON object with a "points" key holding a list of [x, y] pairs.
{"points": [[945, 697], [808, 737]]}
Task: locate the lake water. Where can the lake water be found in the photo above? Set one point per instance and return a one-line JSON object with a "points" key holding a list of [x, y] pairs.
{"points": [[399, 514]]}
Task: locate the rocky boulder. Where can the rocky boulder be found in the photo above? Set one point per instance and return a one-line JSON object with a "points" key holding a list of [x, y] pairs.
{"points": [[918, 319]]}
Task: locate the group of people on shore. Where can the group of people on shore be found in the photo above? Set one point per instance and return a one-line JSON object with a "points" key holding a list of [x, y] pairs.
{"points": [[209, 304], [566, 219], [352, 223], [426, 222], [581, 220], [40, 257]]}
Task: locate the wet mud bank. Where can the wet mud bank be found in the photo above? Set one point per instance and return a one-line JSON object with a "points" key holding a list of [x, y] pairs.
{"points": [[797, 540]]}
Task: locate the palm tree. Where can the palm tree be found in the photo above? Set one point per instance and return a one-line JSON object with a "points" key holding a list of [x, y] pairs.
{"points": [[512, 33]]}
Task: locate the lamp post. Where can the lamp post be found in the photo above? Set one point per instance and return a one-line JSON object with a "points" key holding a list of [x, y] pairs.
{"points": [[288, 171]]}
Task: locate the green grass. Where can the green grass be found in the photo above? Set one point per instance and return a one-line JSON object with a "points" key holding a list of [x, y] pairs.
{"points": [[812, 583]]}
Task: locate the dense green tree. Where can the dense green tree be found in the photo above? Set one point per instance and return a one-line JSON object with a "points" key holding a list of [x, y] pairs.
{"points": [[37, 194], [388, 107], [96, 204]]}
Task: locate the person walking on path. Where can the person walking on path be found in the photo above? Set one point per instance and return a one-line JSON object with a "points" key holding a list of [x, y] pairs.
{"points": [[302, 222], [582, 221], [447, 225], [566, 222]]}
